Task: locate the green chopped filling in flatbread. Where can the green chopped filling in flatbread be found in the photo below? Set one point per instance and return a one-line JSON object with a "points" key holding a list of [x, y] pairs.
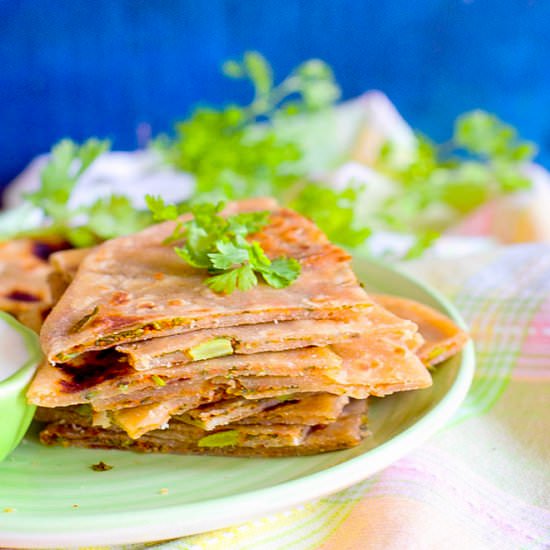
{"points": [[217, 347], [227, 438]]}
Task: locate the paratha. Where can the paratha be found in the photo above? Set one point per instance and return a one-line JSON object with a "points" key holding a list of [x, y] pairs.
{"points": [[134, 288]]}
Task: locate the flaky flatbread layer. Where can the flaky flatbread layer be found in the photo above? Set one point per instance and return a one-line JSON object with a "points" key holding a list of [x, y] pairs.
{"points": [[369, 366], [251, 440], [278, 336], [110, 381], [67, 262], [304, 409], [177, 350], [64, 266]]}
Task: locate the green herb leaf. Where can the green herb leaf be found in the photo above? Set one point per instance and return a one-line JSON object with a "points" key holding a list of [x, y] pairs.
{"points": [[160, 210], [228, 255], [242, 278], [259, 71], [115, 216], [484, 134], [333, 211], [257, 256], [83, 226], [281, 272], [219, 245], [247, 222], [422, 243], [238, 152], [233, 69], [317, 85], [66, 164], [440, 184]]}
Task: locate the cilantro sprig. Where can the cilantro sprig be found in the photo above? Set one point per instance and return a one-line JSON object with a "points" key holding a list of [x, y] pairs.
{"points": [[219, 245], [482, 160], [81, 226], [242, 151]]}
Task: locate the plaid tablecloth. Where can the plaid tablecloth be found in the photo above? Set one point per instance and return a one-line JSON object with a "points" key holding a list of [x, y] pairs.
{"points": [[483, 482]]}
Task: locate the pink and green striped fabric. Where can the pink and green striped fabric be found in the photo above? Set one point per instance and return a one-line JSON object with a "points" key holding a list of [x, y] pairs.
{"points": [[483, 482]]}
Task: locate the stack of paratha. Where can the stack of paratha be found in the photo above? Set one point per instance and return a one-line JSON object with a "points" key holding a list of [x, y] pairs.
{"points": [[143, 355]]}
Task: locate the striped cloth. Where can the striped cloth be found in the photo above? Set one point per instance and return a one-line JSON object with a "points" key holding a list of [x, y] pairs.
{"points": [[483, 482]]}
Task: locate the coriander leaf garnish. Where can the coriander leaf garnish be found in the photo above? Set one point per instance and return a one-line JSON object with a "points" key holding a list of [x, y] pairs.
{"points": [[160, 210], [115, 215], [219, 245], [228, 255], [241, 278], [66, 164], [270, 146], [281, 272], [484, 134]]}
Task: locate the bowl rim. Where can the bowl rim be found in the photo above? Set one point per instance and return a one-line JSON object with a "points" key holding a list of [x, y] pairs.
{"points": [[22, 376]]}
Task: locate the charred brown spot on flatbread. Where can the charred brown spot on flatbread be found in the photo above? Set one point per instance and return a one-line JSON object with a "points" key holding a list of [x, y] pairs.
{"points": [[22, 296], [44, 249]]}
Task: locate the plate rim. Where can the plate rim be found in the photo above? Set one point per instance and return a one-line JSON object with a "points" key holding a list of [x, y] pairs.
{"points": [[158, 522]]}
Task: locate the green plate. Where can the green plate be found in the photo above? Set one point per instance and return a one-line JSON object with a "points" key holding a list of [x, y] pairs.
{"points": [[55, 499]]}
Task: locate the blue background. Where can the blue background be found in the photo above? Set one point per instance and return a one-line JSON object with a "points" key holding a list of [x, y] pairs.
{"points": [[102, 67]]}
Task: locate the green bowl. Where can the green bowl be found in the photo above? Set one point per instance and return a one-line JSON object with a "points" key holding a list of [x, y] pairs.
{"points": [[15, 413]]}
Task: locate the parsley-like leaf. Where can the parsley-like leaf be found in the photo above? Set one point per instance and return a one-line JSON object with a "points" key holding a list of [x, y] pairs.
{"points": [[268, 147], [242, 278], [242, 151], [114, 216], [219, 245], [441, 183], [484, 134], [257, 255], [160, 210], [228, 254], [66, 164], [281, 272], [333, 211]]}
